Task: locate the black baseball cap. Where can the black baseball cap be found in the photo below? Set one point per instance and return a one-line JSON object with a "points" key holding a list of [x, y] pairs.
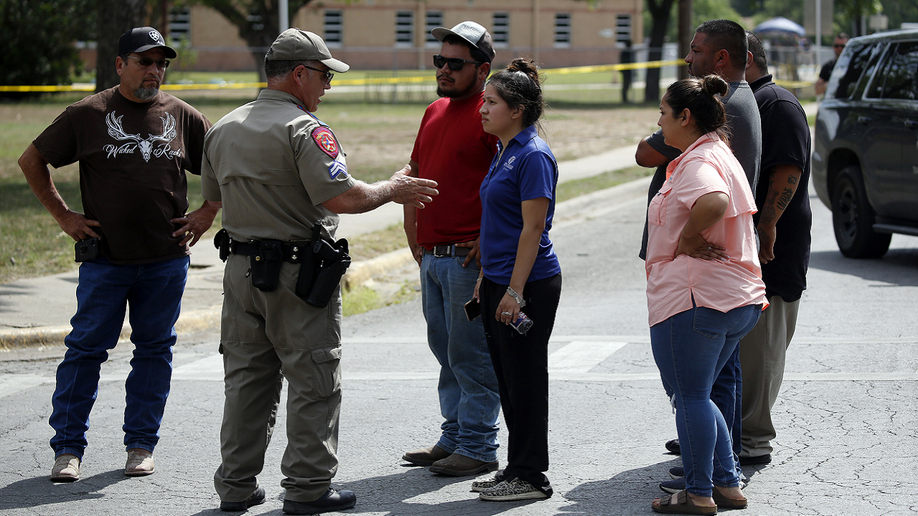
{"points": [[141, 39], [473, 33]]}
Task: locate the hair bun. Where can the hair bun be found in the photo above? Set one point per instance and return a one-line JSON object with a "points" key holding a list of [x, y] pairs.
{"points": [[714, 85], [526, 66]]}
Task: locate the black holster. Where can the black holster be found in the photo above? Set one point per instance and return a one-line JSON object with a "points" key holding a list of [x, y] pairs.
{"points": [[221, 242], [265, 264], [322, 269]]}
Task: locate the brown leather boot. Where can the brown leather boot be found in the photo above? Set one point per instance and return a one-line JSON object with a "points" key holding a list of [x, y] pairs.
{"points": [[426, 456]]}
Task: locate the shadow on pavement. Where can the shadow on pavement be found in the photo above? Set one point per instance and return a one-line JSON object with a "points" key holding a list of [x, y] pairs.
{"points": [[39, 491]]}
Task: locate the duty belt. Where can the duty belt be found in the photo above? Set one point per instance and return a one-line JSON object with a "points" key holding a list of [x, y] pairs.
{"points": [[448, 251], [293, 252]]}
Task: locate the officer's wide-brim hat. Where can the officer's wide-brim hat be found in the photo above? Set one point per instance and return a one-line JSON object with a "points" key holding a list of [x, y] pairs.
{"points": [[141, 39], [301, 45], [475, 34]]}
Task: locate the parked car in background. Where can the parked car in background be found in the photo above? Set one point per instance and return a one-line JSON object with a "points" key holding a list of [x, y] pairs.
{"points": [[865, 152]]}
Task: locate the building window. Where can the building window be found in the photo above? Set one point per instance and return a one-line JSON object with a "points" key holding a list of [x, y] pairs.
{"points": [[404, 28], [334, 27], [622, 28], [500, 29], [179, 23], [562, 30], [433, 19]]}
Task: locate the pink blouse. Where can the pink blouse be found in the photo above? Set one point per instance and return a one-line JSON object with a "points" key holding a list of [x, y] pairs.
{"points": [[707, 166]]}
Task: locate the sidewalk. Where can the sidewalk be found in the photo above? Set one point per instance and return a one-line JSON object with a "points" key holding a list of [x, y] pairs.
{"points": [[37, 311]]}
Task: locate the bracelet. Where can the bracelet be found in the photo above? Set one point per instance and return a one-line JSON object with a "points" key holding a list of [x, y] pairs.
{"points": [[517, 297]]}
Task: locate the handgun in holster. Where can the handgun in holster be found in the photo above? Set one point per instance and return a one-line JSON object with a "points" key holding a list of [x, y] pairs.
{"points": [[322, 269]]}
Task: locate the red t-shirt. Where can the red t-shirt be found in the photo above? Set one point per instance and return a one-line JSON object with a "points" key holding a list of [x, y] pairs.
{"points": [[133, 157], [453, 149]]}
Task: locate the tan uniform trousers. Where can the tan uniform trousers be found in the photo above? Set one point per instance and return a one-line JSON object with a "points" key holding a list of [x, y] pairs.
{"points": [[265, 337], [762, 356]]}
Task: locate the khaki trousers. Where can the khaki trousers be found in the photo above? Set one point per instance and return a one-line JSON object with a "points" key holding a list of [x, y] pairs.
{"points": [[266, 337], [762, 357]]}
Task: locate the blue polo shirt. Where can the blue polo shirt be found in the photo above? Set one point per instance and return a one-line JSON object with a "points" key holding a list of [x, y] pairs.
{"points": [[525, 170]]}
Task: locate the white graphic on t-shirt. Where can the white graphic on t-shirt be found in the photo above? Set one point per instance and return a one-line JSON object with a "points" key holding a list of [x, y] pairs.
{"points": [[144, 144]]}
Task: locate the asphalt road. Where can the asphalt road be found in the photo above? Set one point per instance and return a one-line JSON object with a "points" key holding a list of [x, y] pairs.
{"points": [[847, 416]]}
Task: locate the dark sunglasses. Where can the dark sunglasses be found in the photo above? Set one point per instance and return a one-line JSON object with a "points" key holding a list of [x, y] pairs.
{"points": [[455, 64], [328, 75], [145, 61], [839, 46]]}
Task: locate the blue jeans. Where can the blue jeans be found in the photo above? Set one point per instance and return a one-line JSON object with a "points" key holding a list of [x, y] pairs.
{"points": [[469, 399], [154, 292], [690, 349]]}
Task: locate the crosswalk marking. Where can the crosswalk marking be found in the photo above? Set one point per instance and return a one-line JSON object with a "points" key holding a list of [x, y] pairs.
{"points": [[580, 356], [572, 360]]}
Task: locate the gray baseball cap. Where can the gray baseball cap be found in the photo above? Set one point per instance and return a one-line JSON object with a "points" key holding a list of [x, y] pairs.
{"points": [[301, 45], [475, 34]]}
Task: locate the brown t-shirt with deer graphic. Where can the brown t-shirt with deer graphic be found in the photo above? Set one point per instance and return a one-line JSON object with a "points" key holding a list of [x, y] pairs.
{"points": [[133, 157]]}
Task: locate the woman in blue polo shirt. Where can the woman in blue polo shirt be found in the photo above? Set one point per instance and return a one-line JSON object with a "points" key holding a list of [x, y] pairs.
{"points": [[520, 275]]}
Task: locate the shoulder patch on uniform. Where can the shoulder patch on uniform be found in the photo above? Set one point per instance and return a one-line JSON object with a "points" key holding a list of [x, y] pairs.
{"points": [[325, 139], [337, 169]]}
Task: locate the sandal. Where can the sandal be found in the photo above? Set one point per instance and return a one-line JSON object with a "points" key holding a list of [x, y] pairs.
{"points": [[728, 503], [681, 503]]}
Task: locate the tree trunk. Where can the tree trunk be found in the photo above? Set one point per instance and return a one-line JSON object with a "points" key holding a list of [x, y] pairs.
{"points": [[661, 14], [115, 18]]}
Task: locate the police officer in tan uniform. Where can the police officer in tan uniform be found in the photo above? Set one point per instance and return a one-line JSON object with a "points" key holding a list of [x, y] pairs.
{"points": [[279, 172]]}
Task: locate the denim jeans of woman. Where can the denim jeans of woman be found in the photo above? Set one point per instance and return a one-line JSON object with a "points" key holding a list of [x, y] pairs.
{"points": [[154, 293], [690, 348]]}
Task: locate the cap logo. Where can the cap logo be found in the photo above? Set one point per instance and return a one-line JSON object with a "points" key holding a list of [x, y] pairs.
{"points": [[157, 37]]}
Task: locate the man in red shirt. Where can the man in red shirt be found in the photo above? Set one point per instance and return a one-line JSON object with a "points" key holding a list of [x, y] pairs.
{"points": [[453, 149]]}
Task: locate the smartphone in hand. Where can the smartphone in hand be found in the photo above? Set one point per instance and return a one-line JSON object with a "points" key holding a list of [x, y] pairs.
{"points": [[472, 308]]}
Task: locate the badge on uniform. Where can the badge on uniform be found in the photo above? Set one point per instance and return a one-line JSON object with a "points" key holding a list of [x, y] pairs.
{"points": [[337, 168], [325, 139]]}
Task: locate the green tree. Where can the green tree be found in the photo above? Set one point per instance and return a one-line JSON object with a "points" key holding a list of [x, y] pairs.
{"points": [[119, 17], [257, 22], [38, 39]]}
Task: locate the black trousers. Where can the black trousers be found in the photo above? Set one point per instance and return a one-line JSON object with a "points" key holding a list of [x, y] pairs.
{"points": [[521, 365]]}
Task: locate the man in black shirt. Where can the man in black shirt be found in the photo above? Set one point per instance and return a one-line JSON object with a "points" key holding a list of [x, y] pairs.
{"points": [[783, 225]]}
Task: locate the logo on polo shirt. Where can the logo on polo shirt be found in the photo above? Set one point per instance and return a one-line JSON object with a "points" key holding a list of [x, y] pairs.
{"points": [[509, 164]]}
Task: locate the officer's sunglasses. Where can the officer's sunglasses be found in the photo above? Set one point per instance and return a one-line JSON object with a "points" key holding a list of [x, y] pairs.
{"points": [[455, 64], [145, 61]]}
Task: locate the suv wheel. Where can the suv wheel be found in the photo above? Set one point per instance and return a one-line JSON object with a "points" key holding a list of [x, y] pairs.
{"points": [[852, 218]]}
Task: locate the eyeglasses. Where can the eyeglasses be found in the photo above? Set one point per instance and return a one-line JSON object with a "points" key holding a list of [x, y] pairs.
{"points": [[455, 64], [328, 75], [839, 46], [145, 61]]}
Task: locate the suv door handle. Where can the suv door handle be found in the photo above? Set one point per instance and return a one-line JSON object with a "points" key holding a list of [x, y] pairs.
{"points": [[864, 119], [911, 124]]}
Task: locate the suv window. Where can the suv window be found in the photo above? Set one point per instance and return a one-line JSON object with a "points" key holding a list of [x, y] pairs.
{"points": [[851, 66], [896, 79]]}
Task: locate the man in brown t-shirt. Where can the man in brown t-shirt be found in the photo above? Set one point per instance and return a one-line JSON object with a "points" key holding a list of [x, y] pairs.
{"points": [[134, 145]]}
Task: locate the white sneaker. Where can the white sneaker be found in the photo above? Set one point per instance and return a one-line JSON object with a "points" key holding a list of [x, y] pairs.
{"points": [[511, 490]]}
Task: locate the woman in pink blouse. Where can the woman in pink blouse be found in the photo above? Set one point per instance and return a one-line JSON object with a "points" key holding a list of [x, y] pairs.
{"points": [[704, 286]]}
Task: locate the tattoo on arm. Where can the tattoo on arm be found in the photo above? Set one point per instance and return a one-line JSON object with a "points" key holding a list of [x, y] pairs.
{"points": [[784, 199]]}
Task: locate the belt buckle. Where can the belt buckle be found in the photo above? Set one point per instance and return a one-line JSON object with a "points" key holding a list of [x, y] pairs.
{"points": [[440, 254]]}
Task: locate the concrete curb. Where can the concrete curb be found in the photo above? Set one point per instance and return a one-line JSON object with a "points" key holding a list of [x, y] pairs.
{"points": [[568, 212]]}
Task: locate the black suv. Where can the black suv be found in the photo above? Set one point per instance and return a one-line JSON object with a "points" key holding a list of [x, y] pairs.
{"points": [[865, 155]]}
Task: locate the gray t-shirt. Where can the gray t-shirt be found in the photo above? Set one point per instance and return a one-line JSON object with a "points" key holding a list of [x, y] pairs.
{"points": [[745, 129]]}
